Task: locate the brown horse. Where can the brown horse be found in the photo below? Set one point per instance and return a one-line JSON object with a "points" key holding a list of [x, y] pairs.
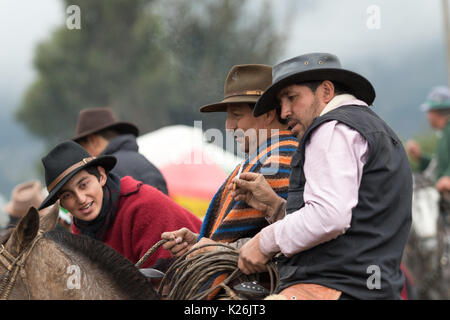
{"points": [[37, 263]]}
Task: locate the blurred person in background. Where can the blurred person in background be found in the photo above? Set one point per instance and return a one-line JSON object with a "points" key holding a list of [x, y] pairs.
{"points": [[25, 195], [437, 107], [100, 133]]}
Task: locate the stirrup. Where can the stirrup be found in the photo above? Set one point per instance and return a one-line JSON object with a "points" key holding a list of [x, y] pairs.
{"points": [[152, 273], [251, 290]]}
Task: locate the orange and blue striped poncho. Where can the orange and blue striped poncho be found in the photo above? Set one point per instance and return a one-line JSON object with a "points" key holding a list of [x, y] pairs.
{"points": [[227, 220]]}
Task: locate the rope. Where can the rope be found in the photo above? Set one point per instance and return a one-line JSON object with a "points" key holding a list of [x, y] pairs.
{"points": [[190, 279], [149, 253]]}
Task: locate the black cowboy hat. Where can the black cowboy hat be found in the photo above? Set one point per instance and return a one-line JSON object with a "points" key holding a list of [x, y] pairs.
{"points": [[92, 120], [63, 162], [313, 67]]}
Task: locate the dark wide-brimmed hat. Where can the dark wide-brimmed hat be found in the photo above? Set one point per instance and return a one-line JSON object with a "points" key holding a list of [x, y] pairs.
{"points": [[313, 67], [244, 84], [66, 160], [438, 99], [93, 120]]}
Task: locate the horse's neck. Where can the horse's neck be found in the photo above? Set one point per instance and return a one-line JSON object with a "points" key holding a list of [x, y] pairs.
{"points": [[56, 273]]}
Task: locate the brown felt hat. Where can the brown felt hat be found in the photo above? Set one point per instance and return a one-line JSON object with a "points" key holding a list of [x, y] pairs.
{"points": [[245, 83], [93, 120], [24, 196]]}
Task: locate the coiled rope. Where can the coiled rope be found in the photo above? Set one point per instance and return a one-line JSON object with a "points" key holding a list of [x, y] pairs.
{"points": [[190, 279]]}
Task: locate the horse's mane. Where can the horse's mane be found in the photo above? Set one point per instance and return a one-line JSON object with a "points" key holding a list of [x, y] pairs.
{"points": [[122, 271]]}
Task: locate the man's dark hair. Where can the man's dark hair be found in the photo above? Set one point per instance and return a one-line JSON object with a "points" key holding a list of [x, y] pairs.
{"points": [[108, 134], [94, 171], [339, 88]]}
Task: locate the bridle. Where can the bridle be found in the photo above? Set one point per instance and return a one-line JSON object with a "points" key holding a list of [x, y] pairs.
{"points": [[13, 266]]}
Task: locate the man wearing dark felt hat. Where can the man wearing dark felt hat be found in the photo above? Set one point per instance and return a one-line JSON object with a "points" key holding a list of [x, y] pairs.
{"points": [[100, 133], [126, 214], [348, 212]]}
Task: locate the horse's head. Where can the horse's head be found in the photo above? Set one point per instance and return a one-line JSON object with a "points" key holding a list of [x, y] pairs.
{"points": [[15, 251]]}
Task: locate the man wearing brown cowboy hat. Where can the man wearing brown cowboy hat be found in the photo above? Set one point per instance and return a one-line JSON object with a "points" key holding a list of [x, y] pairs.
{"points": [[124, 213], [348, 211], [99, 132], [23, 196], [268, 143]]}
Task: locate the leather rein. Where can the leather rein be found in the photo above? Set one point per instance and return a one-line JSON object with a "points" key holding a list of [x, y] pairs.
{"points": [[14, 266]]}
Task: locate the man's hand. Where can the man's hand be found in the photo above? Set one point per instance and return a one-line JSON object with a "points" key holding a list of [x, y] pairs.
{"points": [[251, 259], [179, 242], [202, 242], [256, 192], [443, 184], [413, 150]]}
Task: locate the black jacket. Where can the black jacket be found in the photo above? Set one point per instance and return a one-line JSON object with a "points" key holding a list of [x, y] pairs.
{"points": [[131, 163]]}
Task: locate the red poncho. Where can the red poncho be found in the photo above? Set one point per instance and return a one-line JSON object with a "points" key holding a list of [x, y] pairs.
{"points": [[143, 214]]}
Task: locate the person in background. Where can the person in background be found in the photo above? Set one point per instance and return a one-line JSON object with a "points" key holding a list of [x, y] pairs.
{"points": [[437, 107], [100, 133], [23, 196]]}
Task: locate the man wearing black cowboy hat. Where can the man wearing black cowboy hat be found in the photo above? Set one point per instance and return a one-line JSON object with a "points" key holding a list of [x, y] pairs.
{"points": [[99, 132], [348, 211], [126, 214]]}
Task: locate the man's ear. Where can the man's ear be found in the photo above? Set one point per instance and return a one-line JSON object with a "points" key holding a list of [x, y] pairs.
{"points": [[327, 91], [103, 175], [269, 117]]}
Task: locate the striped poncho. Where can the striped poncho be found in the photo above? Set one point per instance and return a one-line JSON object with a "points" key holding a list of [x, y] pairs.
{"points": [[227, 220]]}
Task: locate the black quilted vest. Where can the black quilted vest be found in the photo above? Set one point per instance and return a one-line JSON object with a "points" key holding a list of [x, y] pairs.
{"points": [[380, 222]]}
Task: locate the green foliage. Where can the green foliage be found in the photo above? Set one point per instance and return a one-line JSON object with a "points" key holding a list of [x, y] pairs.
{"points": [[154, 62]]}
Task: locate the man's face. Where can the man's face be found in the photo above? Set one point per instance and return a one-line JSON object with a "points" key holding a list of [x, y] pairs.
{"points": [[299, 105], [436, 119], [244, 126], [82, 195]]}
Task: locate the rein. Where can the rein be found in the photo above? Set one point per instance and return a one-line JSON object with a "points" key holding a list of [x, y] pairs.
{"points": [[13, 266]]}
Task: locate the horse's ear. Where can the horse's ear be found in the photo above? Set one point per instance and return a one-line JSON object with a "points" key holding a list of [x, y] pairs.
{"points": [[48, 221], [25, 231]]}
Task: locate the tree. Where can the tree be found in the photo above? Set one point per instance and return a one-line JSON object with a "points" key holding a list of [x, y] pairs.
{"points": [[155, 62]]}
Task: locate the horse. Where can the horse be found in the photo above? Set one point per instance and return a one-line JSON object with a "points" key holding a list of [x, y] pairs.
{"points": [[38, 262], [427, 251]]}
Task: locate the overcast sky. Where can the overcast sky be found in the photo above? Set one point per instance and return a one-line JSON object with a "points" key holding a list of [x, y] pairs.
{"points": [[22, 24], [340, 27]]}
